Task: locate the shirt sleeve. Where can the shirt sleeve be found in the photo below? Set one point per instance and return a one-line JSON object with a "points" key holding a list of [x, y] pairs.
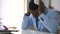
{"points": [[26, 22], [51, 21]]}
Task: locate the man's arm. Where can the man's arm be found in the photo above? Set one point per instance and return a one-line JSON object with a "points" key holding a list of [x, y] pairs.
{"points": [[25, 22], [26, 19], [50, 21]]}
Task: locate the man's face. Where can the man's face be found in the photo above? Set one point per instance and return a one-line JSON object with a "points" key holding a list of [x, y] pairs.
{"points": [[35, 13], [38, 11]]}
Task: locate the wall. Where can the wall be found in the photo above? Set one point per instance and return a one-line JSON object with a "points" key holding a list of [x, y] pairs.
{"points": [[46, 2], [12, 12], [56, 4], [0, 9]]}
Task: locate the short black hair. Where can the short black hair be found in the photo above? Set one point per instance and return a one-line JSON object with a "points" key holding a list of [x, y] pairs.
{"points": [[32, 5]]}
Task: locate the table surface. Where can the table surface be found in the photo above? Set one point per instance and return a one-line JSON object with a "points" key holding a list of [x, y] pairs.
{"points": [[9, 30], [34, 32]]}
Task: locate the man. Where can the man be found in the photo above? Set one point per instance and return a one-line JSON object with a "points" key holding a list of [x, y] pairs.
{"points": [[42, 18]]}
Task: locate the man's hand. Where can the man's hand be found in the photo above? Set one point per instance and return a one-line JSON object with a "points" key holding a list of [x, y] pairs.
{"points": [[28, 12]]}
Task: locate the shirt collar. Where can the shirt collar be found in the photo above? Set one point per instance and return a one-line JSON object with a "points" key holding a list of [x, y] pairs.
{"points": [[31, 16], [45, 11]]}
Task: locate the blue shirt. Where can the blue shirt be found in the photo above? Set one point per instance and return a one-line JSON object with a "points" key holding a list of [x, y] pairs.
{"points": [[47, 21]]}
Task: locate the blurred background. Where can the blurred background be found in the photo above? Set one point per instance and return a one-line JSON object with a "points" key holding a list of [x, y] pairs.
{"points": [[12, 11], [11, 14]]}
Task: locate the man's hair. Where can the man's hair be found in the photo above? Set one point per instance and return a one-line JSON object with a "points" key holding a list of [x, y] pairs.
{"points": [[32, 5]]}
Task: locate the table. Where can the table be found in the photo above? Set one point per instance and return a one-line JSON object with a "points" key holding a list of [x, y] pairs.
{"points": [[34, 32], [7, 31]]}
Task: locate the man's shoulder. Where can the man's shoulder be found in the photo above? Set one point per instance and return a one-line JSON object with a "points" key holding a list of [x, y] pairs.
{"points": [[48, 10]]}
